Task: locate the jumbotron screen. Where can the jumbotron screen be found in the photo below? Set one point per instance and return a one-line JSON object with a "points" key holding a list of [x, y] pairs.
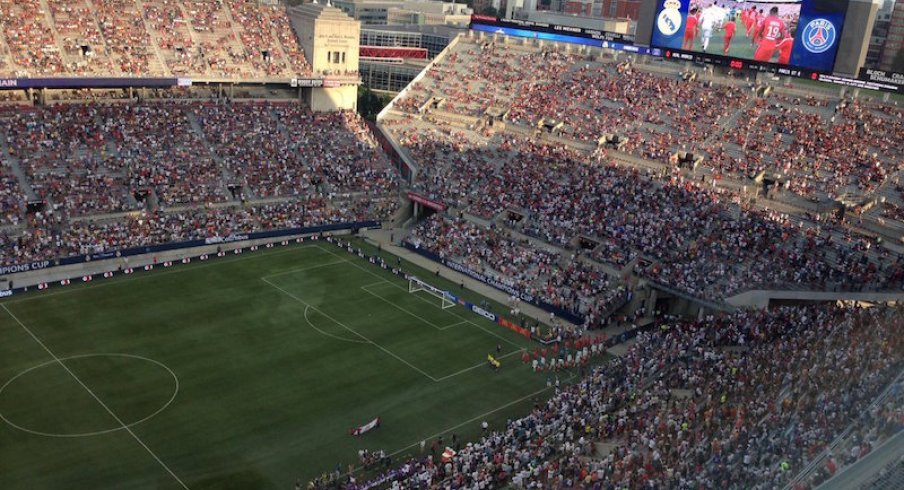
{"points": [[803, 33]]}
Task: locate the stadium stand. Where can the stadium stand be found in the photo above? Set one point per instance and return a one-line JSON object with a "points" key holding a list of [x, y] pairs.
{"points": [[172, 166], [719, 402], [575, 287], [891, 477], [540, 167], [234, 39], [567, 177], [739, 133]]}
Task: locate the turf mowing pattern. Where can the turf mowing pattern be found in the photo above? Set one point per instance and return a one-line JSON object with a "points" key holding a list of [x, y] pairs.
{"points": [[242, 372]]}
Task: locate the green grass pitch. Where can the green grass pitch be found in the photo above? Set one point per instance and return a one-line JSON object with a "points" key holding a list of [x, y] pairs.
{"points": [[242, 372]]}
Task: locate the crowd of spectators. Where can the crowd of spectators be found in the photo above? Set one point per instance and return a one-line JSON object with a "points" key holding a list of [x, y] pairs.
{"points": [[50, 237], [536, 273], [816, 148], [731, 402], [697, 238], [693, 235], [870, 430], [817, 153], [285, 149], [91, 159], [12, 200], [121, 175], [233, 38]]}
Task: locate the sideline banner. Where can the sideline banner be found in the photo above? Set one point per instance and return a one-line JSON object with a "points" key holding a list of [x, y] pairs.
{"points": [[165, 247]]}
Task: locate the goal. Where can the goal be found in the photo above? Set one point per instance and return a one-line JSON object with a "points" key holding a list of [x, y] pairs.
{"points": [[416, 285]]}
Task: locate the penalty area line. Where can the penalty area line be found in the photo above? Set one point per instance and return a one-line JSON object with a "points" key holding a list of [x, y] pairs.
{"points": [[456, 315], [353, 331]]}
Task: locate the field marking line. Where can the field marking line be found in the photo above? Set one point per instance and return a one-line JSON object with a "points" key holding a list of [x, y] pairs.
{"points": [[373, 284], [466, 422], [483, 415], [379, 283], [296, 298], [302, 269], [98, 432], [463, 322], [120, 280], [404, 310], [456, 315], [93, 395], [481, 365], [306, 308]]}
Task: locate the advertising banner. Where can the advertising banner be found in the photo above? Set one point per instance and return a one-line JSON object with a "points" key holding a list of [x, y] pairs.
{"points": [[425, 201]]}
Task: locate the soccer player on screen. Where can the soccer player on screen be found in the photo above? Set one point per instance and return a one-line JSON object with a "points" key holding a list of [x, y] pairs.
{"points": [[729, 33], [756, 17], [708, 19], [772, 31], [784, 50], [690, 32]]}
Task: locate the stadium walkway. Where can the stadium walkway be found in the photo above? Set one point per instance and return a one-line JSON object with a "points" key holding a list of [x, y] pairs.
{"points": [[867, 468]]}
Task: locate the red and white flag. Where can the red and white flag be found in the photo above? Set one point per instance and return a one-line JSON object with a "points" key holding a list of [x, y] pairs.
{"points": [[373, 424]]}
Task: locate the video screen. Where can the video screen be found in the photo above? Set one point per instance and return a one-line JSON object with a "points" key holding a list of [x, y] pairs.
{"points": [[803, 33]]}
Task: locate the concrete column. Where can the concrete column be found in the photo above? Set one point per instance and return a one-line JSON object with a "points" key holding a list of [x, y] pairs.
{"points": [[651, 301]]}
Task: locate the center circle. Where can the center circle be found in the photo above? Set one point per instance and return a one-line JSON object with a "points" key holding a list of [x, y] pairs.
{"points": [[12, 384]]}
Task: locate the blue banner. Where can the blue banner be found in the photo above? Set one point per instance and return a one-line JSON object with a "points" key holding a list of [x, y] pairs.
{"points": [[818, 35], [548, 36], [67, 83], [262, 235]]}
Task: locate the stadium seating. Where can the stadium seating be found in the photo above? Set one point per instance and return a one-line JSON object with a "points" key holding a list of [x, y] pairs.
{"points": [[741, 401], [238, 39], [172, 166], [739, 134], [578, 288], [693, 236]]}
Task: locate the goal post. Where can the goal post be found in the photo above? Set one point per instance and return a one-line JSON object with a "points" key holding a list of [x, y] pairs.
{"points": [[416, 285]]}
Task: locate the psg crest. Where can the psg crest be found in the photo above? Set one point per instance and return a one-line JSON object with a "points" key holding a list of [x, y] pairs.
{"points": [[818, 36]]}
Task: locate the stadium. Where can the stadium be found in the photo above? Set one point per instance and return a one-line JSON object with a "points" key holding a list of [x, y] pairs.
{"points": [[571, 261]]}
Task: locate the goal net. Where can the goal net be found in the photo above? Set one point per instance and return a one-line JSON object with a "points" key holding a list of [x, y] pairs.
{"points": [[416, 285]]}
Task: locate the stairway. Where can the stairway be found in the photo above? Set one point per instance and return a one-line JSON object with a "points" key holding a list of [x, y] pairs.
{"points": [[226, 177], [16, 169]]}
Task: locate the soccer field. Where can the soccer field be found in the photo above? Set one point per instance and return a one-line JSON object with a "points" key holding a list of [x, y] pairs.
{"points": [[243, 372]]}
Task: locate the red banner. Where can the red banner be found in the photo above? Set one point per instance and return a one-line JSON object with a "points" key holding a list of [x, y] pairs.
{"points": [[436, 206], [392, 52]]}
